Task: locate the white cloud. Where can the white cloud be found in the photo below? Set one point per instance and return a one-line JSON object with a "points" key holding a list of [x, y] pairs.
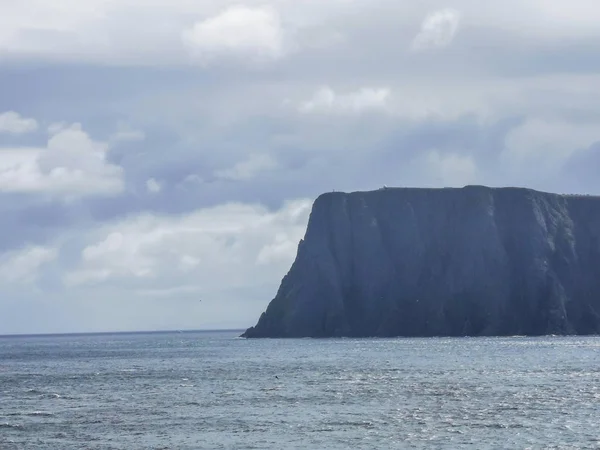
{"points": [[103, 31], [563, 16], [71, 164], [253, 33], [326, 100], [225, 246], [14, 123], [460, 100], [283, 248], [21, 266], [153, 186], [248, 169], [446, 169], [546, 144], [54, 128], [437, 30]]}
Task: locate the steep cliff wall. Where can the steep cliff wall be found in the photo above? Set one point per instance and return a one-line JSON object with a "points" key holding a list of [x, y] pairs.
{"points": [[442, 262]]}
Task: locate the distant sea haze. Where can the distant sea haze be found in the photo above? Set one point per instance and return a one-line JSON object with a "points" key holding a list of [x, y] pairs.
{"points": [[196, 390]]}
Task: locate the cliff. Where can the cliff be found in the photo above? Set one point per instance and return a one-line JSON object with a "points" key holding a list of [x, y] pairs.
{"points": [[442, 262]]}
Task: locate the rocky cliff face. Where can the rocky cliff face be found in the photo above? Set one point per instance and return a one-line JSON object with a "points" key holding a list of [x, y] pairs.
{"points": [[442, 262]]}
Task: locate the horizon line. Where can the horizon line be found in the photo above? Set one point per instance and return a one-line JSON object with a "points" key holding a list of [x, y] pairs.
{"points": [[100, 333]]}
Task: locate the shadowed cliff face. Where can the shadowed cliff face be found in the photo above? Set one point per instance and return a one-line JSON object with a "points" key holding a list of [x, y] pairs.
{"points": [[442, 262]]}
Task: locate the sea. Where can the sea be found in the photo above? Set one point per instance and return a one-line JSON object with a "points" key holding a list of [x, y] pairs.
{"points": [[214, 390]]}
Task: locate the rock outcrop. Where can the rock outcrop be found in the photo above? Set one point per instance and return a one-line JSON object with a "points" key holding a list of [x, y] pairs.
{"points": [[475, 261]]}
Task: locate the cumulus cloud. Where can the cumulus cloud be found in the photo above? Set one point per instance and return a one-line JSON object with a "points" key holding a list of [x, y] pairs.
{"points": [[227, 245], [71, 164], [437, 30], [253, 33], [523, 113], [249, 168], [326, 100], [22, 265], [13, 123]]}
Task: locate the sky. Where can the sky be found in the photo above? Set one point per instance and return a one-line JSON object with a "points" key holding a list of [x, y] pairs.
{"points": [[159, 159]]}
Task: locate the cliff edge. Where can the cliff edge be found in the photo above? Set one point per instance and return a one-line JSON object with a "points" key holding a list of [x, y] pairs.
{"points": [[474, 261]]}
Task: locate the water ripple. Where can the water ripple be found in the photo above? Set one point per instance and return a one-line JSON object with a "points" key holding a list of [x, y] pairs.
{"points": [[215, 391]]}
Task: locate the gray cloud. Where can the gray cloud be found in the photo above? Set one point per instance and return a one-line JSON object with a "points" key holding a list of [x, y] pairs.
{"points": [[118, 219]]}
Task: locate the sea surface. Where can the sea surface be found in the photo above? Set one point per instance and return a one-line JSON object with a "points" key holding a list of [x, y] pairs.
{"points": [[212, 390]]}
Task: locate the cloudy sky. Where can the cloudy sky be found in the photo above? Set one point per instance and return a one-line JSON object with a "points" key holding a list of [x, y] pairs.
{"points": [[158, 159]]}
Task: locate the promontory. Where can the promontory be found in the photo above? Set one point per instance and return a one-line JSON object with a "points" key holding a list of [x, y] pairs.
{"points": [[472, 261]]}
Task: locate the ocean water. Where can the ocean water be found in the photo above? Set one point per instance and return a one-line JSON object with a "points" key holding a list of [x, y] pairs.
{"points": [[216, 391]]}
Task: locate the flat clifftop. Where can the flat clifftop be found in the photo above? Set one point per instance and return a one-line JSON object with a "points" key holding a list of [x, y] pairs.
{"points": [[442, 262]]}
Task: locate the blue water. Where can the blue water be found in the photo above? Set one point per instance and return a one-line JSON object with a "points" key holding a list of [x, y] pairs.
{"points": [[213, 390]]}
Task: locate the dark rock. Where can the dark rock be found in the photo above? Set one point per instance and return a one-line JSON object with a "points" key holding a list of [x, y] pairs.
{"points": [[475, 261]]}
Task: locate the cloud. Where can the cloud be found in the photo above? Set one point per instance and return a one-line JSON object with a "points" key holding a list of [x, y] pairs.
{"points": [[578, 16], [281, 249], [326, 100], [153, 186], [126, 133], [183, 199], [546, 144], [212, 249], [191, 181], [249, 168], [102, 32], [437, 30], [449, 169], [71, 164], [239, 31], [12, 122], [21, 266], [169, 292]]}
